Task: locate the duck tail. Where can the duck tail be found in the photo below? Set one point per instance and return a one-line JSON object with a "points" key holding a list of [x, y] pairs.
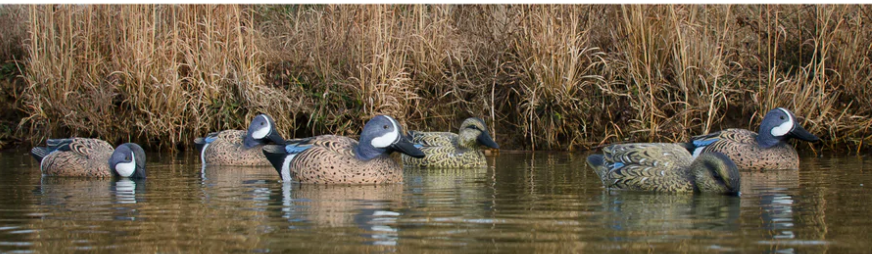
{"points": [[39, 153], [199, 143]]}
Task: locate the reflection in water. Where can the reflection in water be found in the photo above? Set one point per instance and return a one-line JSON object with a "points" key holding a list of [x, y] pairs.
{"points": [[652, 214], [772, 192], [548, 203], [219, 181], [372, 208], [76, 194]]}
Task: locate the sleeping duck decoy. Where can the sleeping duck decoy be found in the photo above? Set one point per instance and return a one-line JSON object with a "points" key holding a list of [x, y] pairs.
{"points": [[238, 147], [89, 158], [752, 151], [664, 167], [446, 149], [330, 159]]}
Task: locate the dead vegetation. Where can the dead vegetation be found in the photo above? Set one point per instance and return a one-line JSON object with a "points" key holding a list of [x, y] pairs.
{"points": [[544, 76]]}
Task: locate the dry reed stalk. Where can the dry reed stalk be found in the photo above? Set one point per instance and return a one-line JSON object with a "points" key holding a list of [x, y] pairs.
{"points": [[547, 77], [144, 73]]}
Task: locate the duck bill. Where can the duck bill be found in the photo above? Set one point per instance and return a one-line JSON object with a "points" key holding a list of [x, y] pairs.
{"points": [[407, 148], [250, 141], [486, 140], [800, 133]]}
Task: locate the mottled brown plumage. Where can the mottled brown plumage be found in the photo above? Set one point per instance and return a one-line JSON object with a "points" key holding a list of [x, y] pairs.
{"points": [[662, 167], [240, 147], [228, 149], [764, 150], [85, 158], [742, 147], [331, 160], [450, 150]]}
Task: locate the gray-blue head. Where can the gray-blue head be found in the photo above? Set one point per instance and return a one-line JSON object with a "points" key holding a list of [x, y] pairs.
{"points": [[780, 125], [383, 135], [128, 160], [261, 131]]}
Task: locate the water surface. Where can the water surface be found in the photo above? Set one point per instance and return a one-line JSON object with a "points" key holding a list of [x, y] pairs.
{"points": [[523, 202]]}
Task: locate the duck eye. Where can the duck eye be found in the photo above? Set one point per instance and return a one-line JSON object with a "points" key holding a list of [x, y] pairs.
{"points": [[262, 123], [385, 127], [127, 158]]}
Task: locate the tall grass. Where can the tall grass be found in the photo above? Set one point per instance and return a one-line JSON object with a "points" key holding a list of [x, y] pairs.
{"points": [[544, 76]]}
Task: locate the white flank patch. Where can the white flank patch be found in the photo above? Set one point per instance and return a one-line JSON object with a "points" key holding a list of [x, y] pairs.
{"points": [[785, 127], [262, 132], [126, 169], [286, 168], [203, 152], [387, 139], [698, 151]]}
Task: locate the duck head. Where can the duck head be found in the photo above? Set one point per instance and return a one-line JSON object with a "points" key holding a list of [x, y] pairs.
{"points": [[128, 160], [262, 130], [780, 125], [474, 131], [383, 135], [715, 173]]}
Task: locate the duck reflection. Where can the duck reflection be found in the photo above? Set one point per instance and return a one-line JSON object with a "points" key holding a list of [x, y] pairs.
{"points": [[371, 208], [87, 196], [226, 181], [442, 185], [657, 212], [771, 192]]}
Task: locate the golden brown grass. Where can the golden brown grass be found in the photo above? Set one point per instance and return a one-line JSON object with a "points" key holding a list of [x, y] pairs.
{"points": [[544, 76]]}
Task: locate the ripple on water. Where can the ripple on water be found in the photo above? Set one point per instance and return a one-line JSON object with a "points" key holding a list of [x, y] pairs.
{"points": [[550, 202]]}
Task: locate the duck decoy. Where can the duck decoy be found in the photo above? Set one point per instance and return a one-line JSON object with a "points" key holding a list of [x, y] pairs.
{"points": [[330, 159], [766, 150], [239, 147], [454, 150], [89, 157], [664, 167]]}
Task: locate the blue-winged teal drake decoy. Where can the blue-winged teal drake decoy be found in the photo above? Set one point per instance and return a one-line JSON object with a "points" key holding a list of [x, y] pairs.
{"points": [[446, 149], [89, 158], [664, 167], [330, 159], [752, 151], [238, 147]]}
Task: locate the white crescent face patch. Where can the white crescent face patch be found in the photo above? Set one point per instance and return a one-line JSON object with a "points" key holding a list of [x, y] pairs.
{"points": [[126, 169], [263, 131], [387, 139], [783, 128]]}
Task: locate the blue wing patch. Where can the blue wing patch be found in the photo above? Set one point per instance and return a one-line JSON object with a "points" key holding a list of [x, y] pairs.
{"points": [[209, 140], [704, 142], [616, 165], [419, 146], [295, 149]]}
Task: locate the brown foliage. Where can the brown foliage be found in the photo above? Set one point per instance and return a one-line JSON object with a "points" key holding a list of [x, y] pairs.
{"points": [[545, 76]]}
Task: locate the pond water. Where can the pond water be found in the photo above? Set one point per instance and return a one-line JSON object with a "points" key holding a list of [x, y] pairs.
{"points": [[523, 202]]}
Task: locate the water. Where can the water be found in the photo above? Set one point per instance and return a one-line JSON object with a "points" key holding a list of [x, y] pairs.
{"points": [[525, 202]]}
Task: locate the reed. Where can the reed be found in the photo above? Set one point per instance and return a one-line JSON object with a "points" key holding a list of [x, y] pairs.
{"points": [[551, 77]]}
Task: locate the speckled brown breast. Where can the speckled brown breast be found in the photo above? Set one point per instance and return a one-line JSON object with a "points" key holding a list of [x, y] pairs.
{"points": [[331, 160], [228, 149], [441, 150], [86, 158], [742, 147]]}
